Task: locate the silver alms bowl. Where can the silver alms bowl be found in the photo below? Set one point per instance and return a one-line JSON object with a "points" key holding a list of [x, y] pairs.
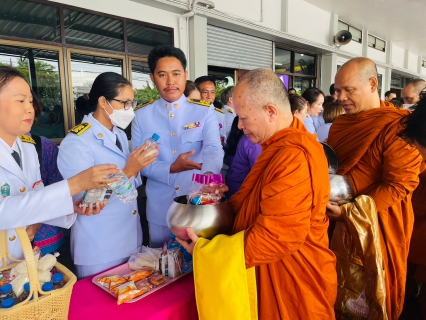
{"points": [[206, 220], [340, 189]]}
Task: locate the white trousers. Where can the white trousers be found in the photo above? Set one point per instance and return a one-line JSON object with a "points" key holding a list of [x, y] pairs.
{"points": [[158, 235], [86, 271]]}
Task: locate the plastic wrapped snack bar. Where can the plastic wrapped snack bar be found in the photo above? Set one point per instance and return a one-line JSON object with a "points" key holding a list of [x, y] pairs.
{"points": [[175, 262], [157, 279], [111, 282], [139, 274], [93, 196], [144, 285], [202, 190], [126, 292]]}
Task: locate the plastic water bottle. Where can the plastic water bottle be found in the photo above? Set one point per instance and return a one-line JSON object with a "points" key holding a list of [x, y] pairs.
{"points": [[152, 141], [172, 242], [124, 189], [7, 303], [48, 286], [58, 281]]}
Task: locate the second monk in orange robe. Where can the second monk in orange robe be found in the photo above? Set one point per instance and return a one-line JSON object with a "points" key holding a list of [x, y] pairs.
{"points": [[379, 164]]}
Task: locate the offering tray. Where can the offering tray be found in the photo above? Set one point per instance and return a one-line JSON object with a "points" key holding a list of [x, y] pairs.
{"points": [[124, 269]]}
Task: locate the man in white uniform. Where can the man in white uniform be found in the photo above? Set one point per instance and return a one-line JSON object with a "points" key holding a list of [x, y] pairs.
{"points": [[226, 98]]}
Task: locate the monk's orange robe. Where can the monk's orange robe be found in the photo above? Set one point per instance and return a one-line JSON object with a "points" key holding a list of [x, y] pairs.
{"points": [[281, 207], [383, 166]]}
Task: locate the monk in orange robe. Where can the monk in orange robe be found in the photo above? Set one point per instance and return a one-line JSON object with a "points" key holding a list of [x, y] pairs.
{"points": [[379, 164], [281, 206]]}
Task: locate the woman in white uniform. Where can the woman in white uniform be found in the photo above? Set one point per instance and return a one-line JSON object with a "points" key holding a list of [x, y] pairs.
{"points": [[24, 200], [103, 241]]}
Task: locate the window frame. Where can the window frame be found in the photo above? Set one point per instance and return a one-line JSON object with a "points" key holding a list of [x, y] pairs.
{"points": [[348, 27], [374, 45]]}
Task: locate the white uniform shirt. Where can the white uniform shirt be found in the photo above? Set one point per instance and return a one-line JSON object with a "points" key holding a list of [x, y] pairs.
{"points": [[182, 127], [229, 118]]}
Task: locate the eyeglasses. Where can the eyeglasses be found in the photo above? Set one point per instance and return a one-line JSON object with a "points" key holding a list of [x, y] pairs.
{"points": [[127, 104]]}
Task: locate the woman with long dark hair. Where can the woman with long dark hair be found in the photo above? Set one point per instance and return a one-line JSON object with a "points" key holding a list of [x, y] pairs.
{"points": [[240, 155], [99, 242], [315, 98]]}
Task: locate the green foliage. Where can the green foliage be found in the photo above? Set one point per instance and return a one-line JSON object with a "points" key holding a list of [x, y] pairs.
{"points": [[146, 94], [220, 86]]}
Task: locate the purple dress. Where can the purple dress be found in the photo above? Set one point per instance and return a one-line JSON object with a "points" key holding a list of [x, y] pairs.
{"points": [[240, 164]]}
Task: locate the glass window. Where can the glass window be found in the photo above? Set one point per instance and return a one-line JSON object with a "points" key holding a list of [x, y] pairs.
{"points": [[25, 19], [380, 44], [285, 79], [356, 34], [282, 60], [304, 64], [145, 89], [85, 69], [141, 39], [302, 83], [342, 26], [41, 69], [94, 31], [371, 41]]}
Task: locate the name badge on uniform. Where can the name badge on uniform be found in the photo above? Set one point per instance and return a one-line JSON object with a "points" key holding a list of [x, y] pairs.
{"points": [[37, 184], [5, 190], [192, 126]]}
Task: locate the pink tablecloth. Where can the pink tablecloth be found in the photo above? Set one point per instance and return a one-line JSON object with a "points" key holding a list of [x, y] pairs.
{"points": [[175, 302]]}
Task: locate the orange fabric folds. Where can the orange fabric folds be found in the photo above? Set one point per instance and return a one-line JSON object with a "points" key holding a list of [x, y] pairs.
{"points": [[281, 207], [383, 166]]}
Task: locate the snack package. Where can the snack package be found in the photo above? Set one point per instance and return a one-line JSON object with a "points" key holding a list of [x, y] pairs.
{"points": [[44, 276], [144, 285], [139, 274], [93, 196], [46, 263], [111, 282], [147, 258], [175, 262], [164, 260], [127, 292], [157, 279], [18, 284], [202, 190]]}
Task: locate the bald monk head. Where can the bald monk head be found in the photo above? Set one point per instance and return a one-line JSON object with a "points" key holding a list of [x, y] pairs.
{"points": [[411, 92], [356, 85], [414, 128], [261, 102]]}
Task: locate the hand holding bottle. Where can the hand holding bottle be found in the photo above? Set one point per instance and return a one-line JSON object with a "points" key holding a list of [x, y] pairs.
{"points": [[140, 158]]}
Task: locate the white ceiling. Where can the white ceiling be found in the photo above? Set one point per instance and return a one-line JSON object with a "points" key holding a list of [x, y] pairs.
{"points": [[402, 22]]}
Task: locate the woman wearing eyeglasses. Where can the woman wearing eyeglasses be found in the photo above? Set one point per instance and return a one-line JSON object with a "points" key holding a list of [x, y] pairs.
{"points": [[99, 242]]}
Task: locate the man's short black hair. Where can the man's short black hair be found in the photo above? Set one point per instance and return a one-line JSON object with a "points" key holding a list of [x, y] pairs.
{"points": [[163, 51], [387, 93], [414, 125], [203, 79], [331, 89]]}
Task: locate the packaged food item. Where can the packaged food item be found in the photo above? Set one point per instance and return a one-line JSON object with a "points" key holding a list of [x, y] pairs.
{"points": [[202, 190], [157, 279], [144, 285], [127, 292], [111, 282], [47, 262], [44, 276], [139, 274], [164, 261], [174, 262], [149, 257], [18, 284], [93, 196]]}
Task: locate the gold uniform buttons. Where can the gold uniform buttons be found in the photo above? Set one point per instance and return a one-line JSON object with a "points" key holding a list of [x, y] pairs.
{"points": [[100, 135], [176, 105], [134, 212], [171, 115], [176, 187], [23, 189], [174, 152], [12, 238], [167, 106], [173, 134]]}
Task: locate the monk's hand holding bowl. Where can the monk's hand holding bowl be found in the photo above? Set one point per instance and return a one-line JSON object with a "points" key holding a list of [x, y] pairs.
{"points": [[189, 245], [334, 212]]}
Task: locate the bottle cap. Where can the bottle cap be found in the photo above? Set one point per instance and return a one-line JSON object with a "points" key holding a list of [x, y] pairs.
{"points": [[57, 277], [7, 303], [27, 286], [48, 286], [155, 137], [172, 236], [6, 288]]}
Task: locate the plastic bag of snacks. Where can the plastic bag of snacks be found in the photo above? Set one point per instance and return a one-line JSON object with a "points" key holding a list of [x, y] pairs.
{"points": [[202, 190], [147, 258], [126, 292], [139, 274]]}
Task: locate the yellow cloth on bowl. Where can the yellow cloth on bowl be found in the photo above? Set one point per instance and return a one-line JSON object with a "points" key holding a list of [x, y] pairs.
{"points": [[224, 288]]}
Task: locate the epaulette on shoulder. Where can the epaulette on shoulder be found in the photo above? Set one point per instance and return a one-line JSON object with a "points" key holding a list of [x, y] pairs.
{"points": [[27, 139], [230, 110], [140, 106], [80, 128], [219, 110], [200, 102]]}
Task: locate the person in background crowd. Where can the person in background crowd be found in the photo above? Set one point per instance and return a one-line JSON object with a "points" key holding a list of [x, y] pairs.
{"points": [[315, 98], [47, 237], [226, 98], [389, 95], [292, 91], [332, 91], [299, 107], [281, 209], [99, 242], [411, 92], [191, 91], [397, 103], [24, 200], [378, 164], [240, 155], [82, 107], [330, 113], [207, 88], [328, 100], [189, 138]]}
